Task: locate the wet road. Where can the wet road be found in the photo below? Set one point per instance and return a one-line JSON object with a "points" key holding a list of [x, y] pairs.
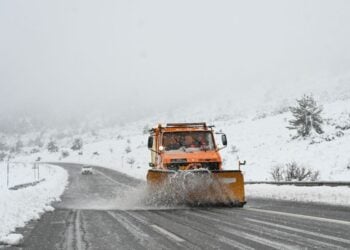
{"points": [[99, 212]]}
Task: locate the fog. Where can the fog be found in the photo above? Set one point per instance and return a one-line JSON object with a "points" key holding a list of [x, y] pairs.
{"points": [[71, 58]]}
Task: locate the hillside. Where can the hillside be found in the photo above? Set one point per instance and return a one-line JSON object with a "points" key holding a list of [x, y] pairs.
{"points": [[257, 133]]}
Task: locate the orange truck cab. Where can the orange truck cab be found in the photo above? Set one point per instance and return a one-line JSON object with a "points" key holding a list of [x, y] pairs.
{"points": [[190, 148]]}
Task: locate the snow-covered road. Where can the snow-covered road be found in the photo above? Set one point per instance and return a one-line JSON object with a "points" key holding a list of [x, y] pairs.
{"points": [[106, 211]]}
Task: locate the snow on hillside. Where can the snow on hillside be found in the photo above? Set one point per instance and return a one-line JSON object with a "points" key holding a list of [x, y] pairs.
{"points": [[263, 142], [266, 142], [17, 207], [255, 126]]}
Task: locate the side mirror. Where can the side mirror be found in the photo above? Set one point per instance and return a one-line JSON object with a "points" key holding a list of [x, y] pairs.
{"points": [[150, 142], [224, 140]]}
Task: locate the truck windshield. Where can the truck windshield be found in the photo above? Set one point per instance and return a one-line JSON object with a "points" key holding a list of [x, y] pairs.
{"points": [[188, 141]]}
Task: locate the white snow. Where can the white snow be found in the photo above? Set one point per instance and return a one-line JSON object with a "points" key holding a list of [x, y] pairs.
{"points": [[255, 126], [12, 239], [21, 173], [263, 142], [20, 206], [320, 194]]}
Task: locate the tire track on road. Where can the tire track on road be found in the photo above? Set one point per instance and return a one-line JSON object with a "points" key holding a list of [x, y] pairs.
{"points": [[197, 233], [75, 232], [162, 231], [142, 237], [263, 237], [271, 235], [113, 180], [319, 235], [336, 230]]}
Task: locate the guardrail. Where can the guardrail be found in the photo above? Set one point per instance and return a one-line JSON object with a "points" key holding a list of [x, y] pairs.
{"points": [[303, 183], [8, 173], [29, 184]]}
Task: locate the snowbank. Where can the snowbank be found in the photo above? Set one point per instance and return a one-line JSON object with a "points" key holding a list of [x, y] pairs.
{"points": [[20, 206], [12, 239], [329, 195]]}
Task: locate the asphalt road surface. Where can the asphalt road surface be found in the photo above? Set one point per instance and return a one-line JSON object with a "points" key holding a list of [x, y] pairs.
{"points": [[100, 212]]}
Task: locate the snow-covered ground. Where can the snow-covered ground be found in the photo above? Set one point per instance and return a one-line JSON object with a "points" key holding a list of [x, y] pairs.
{"points": [[256, 127], [20, 206], [14, 174], [328, 195], [263, 141]]}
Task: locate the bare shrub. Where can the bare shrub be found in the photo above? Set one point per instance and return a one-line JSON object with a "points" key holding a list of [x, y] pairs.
{"points": [[233, 149], [277, 173], [34, 150], [315, 176], [292, 172], [127, 149], [130, 161], [296, 173], [64, 153]]}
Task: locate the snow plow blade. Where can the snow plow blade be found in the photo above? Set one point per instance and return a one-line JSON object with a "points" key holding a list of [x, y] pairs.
{"points": [[197, 187]]}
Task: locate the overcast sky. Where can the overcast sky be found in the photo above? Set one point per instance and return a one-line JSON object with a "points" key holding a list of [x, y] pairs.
{"points": [[131, 57]]}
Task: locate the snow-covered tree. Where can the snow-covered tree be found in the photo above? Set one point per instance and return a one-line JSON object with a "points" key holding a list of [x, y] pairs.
{"points": [[52, 147], [77, 144], [2, 156], [38, 142], [4, 146], [306, 117], [19, 145]]}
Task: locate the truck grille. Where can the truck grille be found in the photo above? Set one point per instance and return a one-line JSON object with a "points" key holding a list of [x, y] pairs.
{"points": [[206, 165]]}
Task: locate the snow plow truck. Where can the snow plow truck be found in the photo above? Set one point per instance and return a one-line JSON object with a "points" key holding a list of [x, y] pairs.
{"points": [[186, 166]]}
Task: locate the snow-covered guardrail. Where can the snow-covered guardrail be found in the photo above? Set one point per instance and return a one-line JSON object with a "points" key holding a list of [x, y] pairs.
{"points": [[303, 183], [19, 174], [29, 184]]}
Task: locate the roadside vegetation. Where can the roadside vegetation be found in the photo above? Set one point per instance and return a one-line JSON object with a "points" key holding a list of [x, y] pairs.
{"points": [[294, 172]]}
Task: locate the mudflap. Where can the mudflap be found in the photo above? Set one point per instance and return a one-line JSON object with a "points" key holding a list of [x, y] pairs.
{"points": [[198, 187]]}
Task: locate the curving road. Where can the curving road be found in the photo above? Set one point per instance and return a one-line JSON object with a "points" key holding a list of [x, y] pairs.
{"points": [[105, 211]]}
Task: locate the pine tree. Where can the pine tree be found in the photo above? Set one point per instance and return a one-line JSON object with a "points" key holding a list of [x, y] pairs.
{"points": [[307, 117]]}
